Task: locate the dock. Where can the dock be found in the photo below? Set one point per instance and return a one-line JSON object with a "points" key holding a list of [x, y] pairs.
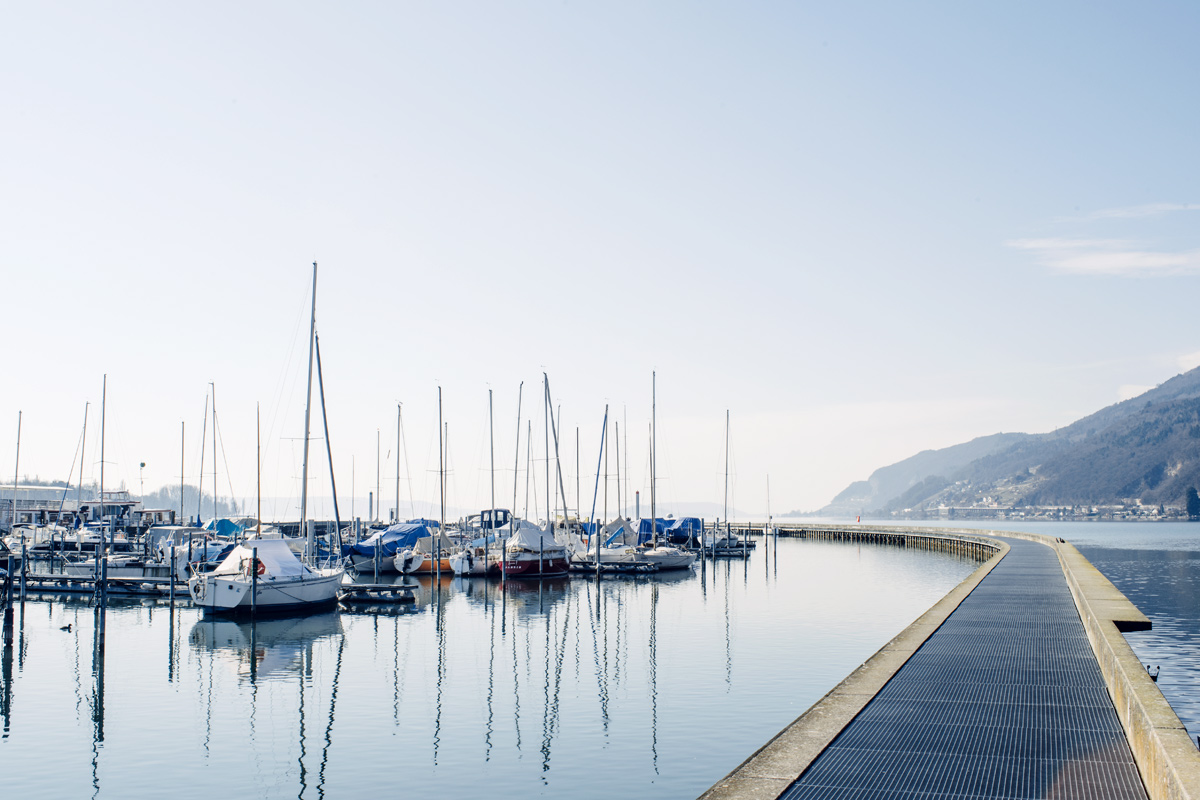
{"points": [[1018, 684]]}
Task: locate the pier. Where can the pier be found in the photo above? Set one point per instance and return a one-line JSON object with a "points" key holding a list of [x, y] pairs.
{"points": [[1018, 684]]}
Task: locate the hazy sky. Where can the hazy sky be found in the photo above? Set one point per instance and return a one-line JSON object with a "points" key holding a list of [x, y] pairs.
{"points": [[865, 229]]}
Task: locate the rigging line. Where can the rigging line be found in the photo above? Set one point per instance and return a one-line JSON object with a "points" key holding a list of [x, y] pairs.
{"points": [[412, 506], [274, 414], [71, 474], [203, 436], [225, 459]]}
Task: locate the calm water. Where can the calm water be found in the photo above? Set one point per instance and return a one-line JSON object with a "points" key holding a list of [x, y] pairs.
{"points": [[651, 687], [1157, 566]]}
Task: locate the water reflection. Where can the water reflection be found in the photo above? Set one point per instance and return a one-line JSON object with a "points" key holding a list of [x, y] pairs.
{"points": [[1165, 586], [519, 686], [267, 648], [6, 687]]}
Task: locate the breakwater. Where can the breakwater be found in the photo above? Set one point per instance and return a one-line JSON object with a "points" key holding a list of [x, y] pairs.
{"points": [[1166, 761]]}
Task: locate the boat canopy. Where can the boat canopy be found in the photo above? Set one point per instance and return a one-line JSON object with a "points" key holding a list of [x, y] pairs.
{"points": [[392, 540], [224, 527], [489, 539], [533, 539], [277, 559], [620, 532], [428, 523]]}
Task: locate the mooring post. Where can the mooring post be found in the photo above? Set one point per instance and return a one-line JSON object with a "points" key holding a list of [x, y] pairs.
{"points": [[8, 605], [171, 577], [103, 607], [254, 583], [24, 567]]}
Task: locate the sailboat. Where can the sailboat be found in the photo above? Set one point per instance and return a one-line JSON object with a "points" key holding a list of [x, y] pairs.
{"points": [[664, 556], [264, 574], [532, 552]]}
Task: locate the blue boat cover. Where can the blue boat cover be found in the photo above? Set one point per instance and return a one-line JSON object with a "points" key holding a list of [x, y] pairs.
{"points": [[428, 523], [224, 527], [392, 540], [660, 524]]}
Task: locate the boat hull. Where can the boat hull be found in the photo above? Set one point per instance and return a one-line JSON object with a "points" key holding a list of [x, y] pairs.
{"points": [[467, 563], [667, 558], [411, 563], [530, 566], [233, 594]]}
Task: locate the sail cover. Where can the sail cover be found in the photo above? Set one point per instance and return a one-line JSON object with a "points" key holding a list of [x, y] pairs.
{"points": [[275, 555], [533, 539], [392, 540]]}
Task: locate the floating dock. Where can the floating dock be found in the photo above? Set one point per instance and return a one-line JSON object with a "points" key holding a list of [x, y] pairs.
{"points": [[376, 593]]}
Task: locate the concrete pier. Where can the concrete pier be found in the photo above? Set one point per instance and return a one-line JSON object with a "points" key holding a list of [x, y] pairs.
{"points": [[1016, 685]]}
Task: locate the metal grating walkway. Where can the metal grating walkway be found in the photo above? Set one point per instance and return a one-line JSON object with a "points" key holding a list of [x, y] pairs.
{"points": [[1004, 700]]}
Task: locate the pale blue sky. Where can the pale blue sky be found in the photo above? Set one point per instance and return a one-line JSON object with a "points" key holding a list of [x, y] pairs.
{"points": [[865, 229]]}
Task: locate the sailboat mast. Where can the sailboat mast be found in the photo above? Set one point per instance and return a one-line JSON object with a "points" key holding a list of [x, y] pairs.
{"points": [[312, 337], [258, 467], [103, 402], [203, 434], [625, 413], [399, 428], [726, 512], [182, 450], [492, 468], [617, 442], [512, 517], [546, 423], [82, 454], [441, 468], [16, 475], [214, 396], [653, 453], [378, 485]]}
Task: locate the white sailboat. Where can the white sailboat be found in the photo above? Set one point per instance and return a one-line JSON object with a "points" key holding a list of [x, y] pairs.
{"points": [[283, 583], [277, 581]]}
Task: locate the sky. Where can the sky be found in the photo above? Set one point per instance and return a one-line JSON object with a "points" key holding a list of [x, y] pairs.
{"points": [[860, 229]]}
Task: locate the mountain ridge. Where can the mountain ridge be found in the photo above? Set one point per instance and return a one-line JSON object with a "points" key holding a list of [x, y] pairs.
{"points": [[1144, 450]]}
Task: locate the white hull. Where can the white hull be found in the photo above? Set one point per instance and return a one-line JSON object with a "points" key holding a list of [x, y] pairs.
{"points": [[274, 593], [610, 555], [464, 563], [669, 558]]}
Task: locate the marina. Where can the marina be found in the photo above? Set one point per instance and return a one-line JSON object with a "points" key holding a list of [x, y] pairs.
{"points": [[519, 684]]}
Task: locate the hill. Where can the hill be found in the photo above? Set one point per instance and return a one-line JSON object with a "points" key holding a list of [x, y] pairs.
{"points": [[1145, 450]]}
